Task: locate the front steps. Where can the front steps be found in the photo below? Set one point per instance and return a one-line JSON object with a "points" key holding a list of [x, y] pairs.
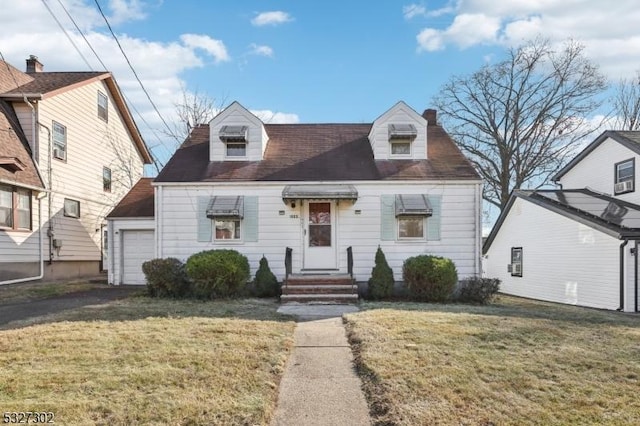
{"points": [[338, 288]]}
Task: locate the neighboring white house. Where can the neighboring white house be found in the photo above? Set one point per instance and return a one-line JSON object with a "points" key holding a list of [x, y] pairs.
{"points": [[399, 183], [87, 153], [576, 245]]}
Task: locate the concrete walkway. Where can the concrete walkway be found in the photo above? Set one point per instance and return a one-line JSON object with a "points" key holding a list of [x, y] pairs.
{"points": [[320, 386]]}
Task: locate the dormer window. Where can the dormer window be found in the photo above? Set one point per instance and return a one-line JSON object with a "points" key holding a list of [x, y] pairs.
{"points": [[235, 138], [624, 176], [400, 138]]}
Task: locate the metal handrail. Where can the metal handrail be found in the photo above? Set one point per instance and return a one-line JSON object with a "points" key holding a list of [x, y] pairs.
{"points": [[287, 265]]}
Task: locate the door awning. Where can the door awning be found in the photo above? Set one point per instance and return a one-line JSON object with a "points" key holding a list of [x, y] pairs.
{"points": [[226, 206], [319, 192], [413, 205]]}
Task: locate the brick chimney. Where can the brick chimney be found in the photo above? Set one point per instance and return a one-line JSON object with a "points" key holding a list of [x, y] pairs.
{"points": [[34, 65], [431, 115]]}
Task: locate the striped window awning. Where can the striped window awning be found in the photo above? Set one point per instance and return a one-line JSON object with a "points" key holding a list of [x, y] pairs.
{"points": [[226, 206], [319, 192], [413, 205]]}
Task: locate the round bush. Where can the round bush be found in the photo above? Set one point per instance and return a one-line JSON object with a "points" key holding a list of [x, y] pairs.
{"points": [[478, 290], [218, 273], [266, 284], [166, 278], [381, 281], [429, 278]]}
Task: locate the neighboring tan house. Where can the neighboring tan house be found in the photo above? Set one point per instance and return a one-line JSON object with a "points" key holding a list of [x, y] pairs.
{"points": [[576, 245], [75, 129], [330, 193]]}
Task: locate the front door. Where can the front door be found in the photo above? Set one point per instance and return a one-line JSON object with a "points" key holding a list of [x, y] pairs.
{"points": [[320, 235]]}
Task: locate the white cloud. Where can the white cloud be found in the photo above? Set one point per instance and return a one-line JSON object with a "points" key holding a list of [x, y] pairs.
{"points": [[430, 40], [271, 18], [412, 10], [260, 50], [213, 47], [272, 117], [126, 10]]}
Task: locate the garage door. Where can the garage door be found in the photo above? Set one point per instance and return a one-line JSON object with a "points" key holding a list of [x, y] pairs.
{"points": [[137, 248]]}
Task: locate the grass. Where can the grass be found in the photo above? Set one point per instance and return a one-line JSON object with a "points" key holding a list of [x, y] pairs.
{"points": [[28, 291], [145, 361], [516, 362]]}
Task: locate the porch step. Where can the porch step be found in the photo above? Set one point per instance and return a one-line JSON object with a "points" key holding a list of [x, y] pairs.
{"points": [[318, 289], [319, 298], [337, 279]]}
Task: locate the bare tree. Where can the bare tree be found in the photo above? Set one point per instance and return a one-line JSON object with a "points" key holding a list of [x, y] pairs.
{"points": [[626, 104], [193, 109], [519, 120]]}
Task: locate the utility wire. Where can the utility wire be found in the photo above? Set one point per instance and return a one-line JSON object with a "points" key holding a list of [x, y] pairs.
{"points": [[82, 34], [133, 70], [66, 34]]}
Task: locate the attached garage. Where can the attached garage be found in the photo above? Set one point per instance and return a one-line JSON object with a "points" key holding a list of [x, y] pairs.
{"points": [[137, 248], [131, 228]]}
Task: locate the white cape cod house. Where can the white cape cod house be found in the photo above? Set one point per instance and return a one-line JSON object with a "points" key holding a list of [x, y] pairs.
{"points": [[576, 245], [321, 190]]}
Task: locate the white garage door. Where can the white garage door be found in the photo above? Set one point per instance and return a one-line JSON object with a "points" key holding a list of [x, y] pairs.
{"points": [[137, 248]]}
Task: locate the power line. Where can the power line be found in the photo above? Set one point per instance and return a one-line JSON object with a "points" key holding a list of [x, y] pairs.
{"points": [[132, 69], [66, 34], [82, 34]]}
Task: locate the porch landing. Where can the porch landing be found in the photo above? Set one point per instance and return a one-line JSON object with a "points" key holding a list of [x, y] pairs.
{"points": [[319, 288]]}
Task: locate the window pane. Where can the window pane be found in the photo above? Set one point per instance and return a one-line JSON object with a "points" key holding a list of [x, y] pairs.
{"points": [[319, 235], [320, 213], [24, 209], [625, 171], [59, 141], [106, 179], [6, 206], [227, 229], [102, 106], [410, 227], [236, 149], [71, 208], [401, 148]]}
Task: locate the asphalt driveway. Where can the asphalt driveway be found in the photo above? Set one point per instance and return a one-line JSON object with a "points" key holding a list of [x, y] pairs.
{"points": [[34, 308]]}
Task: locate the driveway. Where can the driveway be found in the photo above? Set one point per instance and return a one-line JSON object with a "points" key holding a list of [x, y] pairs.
{"points": [[51, 305]]}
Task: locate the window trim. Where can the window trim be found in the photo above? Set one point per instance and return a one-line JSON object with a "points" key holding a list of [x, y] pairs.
{"points": [[393, 142], [54, 142], [235, 157], [106, 187], [616, 179], [15, 191], [64, 208], [424, 228], [512, 271], [104, 108]]}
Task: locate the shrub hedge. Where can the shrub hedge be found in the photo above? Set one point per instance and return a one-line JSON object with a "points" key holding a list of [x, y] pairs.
{"points": [[429, 278], [478, 290], [381, 281], [218, 273], [265, 283], [166, 278]]}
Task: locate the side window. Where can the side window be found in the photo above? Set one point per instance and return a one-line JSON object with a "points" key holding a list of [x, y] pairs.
{"points": [[106, 179], [71, 208], [59, 141], [103, 106], [516, 261], [625, 173]]}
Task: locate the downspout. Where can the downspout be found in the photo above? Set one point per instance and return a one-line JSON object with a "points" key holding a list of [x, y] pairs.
{"points": [[158, 221], [50, 232], [478, 222], [40, 252], [635, 275], [622, 246]]}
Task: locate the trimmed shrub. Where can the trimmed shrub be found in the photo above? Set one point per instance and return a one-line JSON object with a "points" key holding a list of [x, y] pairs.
{"points": [[429, 278], [381, 281], [218, 273], [478, 290], [265, 283], [166, 278]]}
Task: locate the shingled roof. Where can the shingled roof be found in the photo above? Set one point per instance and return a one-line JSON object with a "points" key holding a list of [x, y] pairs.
{"points": [[313, 152], [139, 201], [15, 151]]}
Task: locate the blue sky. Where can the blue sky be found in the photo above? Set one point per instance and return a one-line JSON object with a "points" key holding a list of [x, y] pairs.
{"points": [[300, 61]]}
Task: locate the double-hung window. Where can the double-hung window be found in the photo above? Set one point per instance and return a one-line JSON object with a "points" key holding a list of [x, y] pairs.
{"points": [[227, 213], [625, 172], [59, 136], [15, 208], [106, 179], [103, 106], [411, 211], [235, 139], [516, 261]]}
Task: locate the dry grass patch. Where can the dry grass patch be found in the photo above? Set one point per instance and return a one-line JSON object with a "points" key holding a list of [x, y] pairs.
{"points": [[149, 362], [22, 292], [515, 362]]}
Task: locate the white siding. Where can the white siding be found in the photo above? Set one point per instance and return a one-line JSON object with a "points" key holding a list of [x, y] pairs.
{"points": [[398, 114], [21, 246], [596, 171], [92, 144], [237, 115], [563, 261], [116, 228], [177, 226]]}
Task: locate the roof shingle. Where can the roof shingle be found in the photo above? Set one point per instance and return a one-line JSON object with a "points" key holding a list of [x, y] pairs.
{"points": [[139, 201]]}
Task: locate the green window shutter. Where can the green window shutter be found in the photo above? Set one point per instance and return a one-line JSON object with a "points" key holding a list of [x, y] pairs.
{"points": [[433, 222], [204, 223], [250, 220], [388, 217]]}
